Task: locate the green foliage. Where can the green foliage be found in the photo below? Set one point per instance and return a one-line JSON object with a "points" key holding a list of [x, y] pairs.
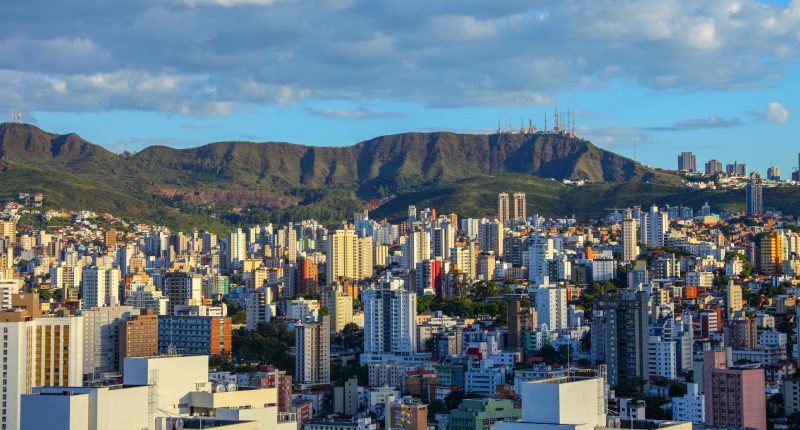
{"points": [[677, 389], [269, 343]]}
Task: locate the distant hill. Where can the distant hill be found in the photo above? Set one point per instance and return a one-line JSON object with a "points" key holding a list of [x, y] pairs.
{"points": [[278, 181]]}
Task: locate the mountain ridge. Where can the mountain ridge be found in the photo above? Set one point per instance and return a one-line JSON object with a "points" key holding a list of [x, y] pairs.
{"points": [[221, 176]]}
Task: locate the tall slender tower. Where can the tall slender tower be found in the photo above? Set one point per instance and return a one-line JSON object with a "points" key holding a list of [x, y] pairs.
{"points": [[630, 248], [503, 212], [519, 206]]}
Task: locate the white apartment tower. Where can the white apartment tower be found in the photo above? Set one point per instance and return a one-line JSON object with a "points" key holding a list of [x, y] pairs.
{"points": [[390, 319], [100, 287], [654, 226]]}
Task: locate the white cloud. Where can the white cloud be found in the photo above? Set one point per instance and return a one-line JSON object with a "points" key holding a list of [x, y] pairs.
{"points": [[777, 113], [230, 3], [218, 55]]}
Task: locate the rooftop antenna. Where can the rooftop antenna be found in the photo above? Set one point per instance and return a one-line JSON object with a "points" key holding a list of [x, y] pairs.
{"points": [[17, 117], [545, 122]]}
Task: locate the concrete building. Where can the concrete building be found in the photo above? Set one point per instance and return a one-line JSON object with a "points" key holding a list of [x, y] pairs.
{"points": [[195, 335], [691, 406], [340, 308], [480, 414], [484, 378], [138, 337], [345, 256], [503, 207], [182, 289], [490, 237], [37, 352], [101, 338], [390, 319], [654, 226], [662, 358], [312, 354], [159, 393], [101, 287], [86, 408], [571, 403], [791, 396], [734, 396], [629, 238], [406, 414], [754, 196], [520, 210], [551, 307], [620, 331], [345, 398], [687, 162]]}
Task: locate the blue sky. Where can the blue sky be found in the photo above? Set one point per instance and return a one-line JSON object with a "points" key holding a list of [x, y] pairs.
{"points": [[717, 77]]}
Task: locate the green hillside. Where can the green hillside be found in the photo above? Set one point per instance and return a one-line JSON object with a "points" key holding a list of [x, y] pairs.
{"points": [[226, 183], [477, 197]]}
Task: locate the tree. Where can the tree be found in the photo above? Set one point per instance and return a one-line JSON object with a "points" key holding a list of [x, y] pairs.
{"points": [[549, 354], [352, 336], [425, 303], [676, 389]]}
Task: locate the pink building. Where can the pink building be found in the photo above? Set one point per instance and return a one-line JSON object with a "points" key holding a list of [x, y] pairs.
{"points": [[734, 396]]}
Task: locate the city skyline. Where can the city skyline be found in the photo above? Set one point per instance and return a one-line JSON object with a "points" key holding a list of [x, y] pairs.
{"points": [[179, 74]]}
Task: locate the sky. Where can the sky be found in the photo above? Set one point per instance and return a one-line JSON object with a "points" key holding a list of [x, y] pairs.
{"points": [[647, 79]]}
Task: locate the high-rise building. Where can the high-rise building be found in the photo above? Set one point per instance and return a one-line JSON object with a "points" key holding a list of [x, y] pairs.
{"points": [[258, 307], [343, 255], [182, 289], [630, 246], [736, 169], [138, 337], [237, 248], [8, 231], [734, 397], [37, 352], [654, 226], [662, 358], [390, 319], [771, 253], [365, 260], [620, 336], [465, 259], [733, 299], [519, 207], [312, 353], [687, 162], [540, 253], [100, 287], [503, 209], [443, 238], [291, 244], [486, 265], [774, 173], [416, 249], [101, 338], [194, 335], [490, 237], [307, 276], [754, 196], [110, 238], [713, 167], [340, 308], [551, 307]]}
